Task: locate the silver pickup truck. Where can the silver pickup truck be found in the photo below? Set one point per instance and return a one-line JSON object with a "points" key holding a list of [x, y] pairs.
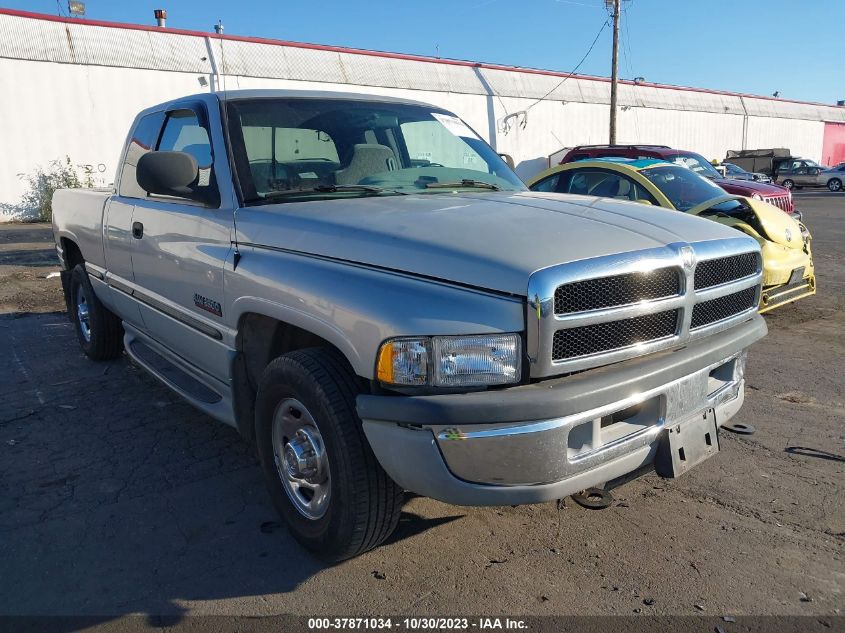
{"points": [[364, 289]]}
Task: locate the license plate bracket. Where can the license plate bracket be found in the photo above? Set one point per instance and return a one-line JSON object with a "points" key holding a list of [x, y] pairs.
{"points": [[796, 276], [687, 444]]}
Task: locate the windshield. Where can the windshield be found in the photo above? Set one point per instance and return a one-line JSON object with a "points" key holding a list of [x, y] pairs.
{"points": [[290, 149], [684, 188], [697, 163]]}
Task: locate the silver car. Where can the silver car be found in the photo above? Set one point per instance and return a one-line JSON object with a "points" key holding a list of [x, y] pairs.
{"points": [[798, 172], [735, 172], [832, 178]]}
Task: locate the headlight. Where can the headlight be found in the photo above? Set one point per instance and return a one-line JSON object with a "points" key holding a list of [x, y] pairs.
{"points": [[757, 196], [451, 361]]}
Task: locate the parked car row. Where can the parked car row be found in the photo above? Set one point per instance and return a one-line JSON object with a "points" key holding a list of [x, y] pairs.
{"points": [[793, 172], [796, 174], [773, 194]]}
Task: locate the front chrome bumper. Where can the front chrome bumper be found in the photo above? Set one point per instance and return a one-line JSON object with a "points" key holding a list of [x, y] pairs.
{"points": [[546, 440], [535, 461], [545, 451]]}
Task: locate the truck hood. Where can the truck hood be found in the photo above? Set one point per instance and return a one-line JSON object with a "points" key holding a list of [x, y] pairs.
{"points": [[490, 240]]}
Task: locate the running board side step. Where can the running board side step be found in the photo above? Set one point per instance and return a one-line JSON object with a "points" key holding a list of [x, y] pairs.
{"points": [[204, 392]]}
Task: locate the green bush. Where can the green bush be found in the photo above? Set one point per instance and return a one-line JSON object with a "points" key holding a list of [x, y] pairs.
{"points": [[44, 182]]}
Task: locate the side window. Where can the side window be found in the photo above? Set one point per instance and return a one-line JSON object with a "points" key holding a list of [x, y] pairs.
{"points": [[547, 184], [144, 138], [184, 133], [603, 184]]}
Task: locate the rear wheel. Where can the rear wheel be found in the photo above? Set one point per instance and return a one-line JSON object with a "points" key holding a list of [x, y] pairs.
{"points": [[322, 475], [834, 184], [99, 331], [789, 184]]}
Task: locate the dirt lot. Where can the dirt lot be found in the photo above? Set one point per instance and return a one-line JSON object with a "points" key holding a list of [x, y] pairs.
{"points": [[117, 498]]}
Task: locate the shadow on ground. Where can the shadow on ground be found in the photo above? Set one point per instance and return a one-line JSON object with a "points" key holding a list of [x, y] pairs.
{"points": [[118, 498]]}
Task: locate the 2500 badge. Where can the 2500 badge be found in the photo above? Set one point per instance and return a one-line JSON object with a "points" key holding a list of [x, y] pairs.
{"points": [[209, 305]]}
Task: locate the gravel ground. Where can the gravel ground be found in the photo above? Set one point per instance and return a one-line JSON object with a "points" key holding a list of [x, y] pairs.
{"points": [[117, 498]]}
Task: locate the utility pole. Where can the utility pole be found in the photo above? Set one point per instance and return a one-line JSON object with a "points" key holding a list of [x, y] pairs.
{"points": [[614, 73]]}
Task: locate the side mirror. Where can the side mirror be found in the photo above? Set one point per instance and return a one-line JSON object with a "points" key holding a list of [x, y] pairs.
{"points": [[508, 159], [171, 174]]}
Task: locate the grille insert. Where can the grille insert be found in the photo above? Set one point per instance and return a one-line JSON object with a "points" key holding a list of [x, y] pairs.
{"points": [[781, 202], [618, 290], [604, 337], [722, 308], [713, 272]]}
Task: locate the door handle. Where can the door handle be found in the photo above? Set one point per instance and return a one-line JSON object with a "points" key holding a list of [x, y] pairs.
{"points": [[137, 230]]}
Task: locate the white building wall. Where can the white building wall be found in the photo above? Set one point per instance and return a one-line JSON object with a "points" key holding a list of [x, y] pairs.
{"points": [[804, 138], [72, 89]]}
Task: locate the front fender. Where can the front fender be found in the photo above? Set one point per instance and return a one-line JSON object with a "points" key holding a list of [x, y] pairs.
{"points": [[357, 307]]}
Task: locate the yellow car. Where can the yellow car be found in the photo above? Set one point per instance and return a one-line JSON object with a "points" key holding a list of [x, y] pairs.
{"points": [[788, 273]]}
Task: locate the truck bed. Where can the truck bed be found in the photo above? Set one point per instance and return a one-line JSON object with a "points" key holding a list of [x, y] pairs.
{"points": [[78, 216]]}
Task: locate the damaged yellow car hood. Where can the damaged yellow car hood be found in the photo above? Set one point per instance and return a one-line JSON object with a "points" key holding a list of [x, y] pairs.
{"points": [[778, 226]]}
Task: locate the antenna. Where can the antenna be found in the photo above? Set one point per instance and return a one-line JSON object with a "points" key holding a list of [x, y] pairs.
{"points": [[224, 114]]}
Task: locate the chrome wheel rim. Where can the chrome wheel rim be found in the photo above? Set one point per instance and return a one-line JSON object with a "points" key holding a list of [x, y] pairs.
{"points": [[788, 184], [301, 460], [82, 315], [834, 185]]}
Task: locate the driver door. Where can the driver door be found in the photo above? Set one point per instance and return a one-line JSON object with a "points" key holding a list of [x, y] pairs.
{"points": [[180, 249]]}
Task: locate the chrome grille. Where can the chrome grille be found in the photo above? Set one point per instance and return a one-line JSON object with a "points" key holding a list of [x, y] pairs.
{"points": [[619, 290], [598, 311], [714, 272], [613, 335], [781, 202], [722, 308]]}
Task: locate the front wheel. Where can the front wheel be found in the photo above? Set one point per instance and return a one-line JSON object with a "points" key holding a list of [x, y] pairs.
{"points": [[319, 468], [789, 184], [834, 184], [99, 331]]}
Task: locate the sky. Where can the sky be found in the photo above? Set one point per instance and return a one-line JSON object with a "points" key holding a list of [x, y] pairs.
{"points": [[749, 46]]}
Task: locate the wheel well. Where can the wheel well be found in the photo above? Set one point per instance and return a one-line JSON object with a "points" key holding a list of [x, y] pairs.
{"points": [[260, 339], [73, 255]]}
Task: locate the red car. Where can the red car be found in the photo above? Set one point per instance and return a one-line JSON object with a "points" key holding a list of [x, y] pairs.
{"points": [[779, 196]]}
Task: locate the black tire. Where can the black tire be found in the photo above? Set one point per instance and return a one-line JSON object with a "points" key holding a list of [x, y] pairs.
{"points": [[104, 340], [789, 184], [364, 504], [834, 184]]}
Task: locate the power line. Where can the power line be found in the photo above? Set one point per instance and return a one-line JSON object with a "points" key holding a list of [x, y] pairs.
{"points": [[579, 4], [574, 70]]}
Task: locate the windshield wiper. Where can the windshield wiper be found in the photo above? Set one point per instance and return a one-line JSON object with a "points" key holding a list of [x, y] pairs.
{"points": [[466, 183], [325, 189]]}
